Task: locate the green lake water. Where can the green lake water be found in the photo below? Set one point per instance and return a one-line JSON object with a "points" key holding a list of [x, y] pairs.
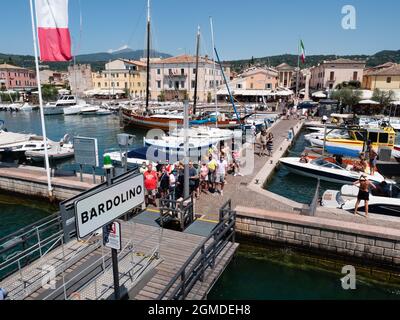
{"points": [[256, 273], [260, 273]]}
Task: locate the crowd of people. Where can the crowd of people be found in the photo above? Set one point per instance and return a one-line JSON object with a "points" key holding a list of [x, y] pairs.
{"points": [[206, 176]]}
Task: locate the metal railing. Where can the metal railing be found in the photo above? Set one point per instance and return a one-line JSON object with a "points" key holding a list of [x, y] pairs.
{"points": [[316, 200], [180, 210], [203, 257], [21, 248]]}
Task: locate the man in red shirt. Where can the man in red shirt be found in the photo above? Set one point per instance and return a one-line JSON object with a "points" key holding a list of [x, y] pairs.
{"points": [[150, 184]]}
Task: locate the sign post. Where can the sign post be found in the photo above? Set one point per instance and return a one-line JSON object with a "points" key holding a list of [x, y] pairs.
{"points": [[114, 253], [101, 209]]}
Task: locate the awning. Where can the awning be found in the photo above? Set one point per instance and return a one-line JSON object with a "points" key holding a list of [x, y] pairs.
{"points": [[319, 94], [368, 102]]}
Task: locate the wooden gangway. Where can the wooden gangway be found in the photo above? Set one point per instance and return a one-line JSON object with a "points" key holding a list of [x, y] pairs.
{"points": [[155, 263]]}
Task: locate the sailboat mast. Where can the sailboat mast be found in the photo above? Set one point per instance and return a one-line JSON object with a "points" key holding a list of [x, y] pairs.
{"points": [[215, 72], [148, 56], [197, 70]]}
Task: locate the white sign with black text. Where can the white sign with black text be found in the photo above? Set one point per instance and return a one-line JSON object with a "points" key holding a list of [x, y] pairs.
{"points": [[100, 209]]}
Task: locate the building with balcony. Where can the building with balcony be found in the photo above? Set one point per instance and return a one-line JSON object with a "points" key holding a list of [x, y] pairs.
{"points": [[121, 75], [328, 74], [174, 78], [16, 78]]}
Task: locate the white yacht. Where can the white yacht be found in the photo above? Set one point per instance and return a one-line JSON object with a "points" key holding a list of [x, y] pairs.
{"points": [[328, 171], [58, 107], [385, 203]]}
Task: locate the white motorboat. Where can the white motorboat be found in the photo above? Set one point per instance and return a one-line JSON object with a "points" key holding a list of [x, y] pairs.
{"points": [[55, 152], [16, 143], [56, 108], [90, 110], [346, 199], [204, 133], [328, 171], [335, 134], [103, 112], [52, 109], [177, 144], [73, 110]]}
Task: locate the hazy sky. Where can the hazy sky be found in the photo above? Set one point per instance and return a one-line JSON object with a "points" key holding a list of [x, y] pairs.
{"points": [[242, 28]]}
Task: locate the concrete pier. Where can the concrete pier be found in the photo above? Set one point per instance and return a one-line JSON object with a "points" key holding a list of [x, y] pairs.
{"points": [[32, 181], [248, 190]]}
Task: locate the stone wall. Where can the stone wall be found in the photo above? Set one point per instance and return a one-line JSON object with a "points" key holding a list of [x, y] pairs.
{"points": [[37, 189], [325, 235]]}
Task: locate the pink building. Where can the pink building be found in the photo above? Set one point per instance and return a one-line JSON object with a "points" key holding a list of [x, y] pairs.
{"points": [[16, 78], [328, 74]]}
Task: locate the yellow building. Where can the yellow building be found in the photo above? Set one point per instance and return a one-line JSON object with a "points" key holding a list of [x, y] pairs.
{"points": [[383, 77], [122, 76]]}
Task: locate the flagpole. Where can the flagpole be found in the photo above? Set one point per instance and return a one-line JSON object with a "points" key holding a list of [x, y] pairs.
{"points": [[46, 155], [298, 70]]}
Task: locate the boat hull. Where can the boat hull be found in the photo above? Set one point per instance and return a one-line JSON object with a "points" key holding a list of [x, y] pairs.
{"points": [[130, 120], [326, 176]]}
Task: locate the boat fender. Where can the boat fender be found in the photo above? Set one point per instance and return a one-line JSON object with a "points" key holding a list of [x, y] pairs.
{"points": [[66, 139]]}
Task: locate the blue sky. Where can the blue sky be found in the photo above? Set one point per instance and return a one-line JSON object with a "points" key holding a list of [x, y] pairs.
{"points": [[243, 28]]}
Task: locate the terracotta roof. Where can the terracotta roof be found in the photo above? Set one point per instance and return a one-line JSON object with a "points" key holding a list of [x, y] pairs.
{"points": [[371, 70], [9, 66], [285, 66], [344, 61], [135, 62], [253, 71], [185, 58], [394, 70]]}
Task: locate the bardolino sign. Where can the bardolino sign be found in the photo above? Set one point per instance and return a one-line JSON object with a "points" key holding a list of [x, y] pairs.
{"points": [[102, 208]]}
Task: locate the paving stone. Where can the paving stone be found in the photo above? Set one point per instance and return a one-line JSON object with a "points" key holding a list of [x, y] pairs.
{"points": [[302, 237], [280, 226], [264, 223], [365, 240], [328, 234], [347, 237], [312, 231], [355, 246], [257, 229], [384, 244], [295, 228], [337, 243], [320, 240], [373, 250]]}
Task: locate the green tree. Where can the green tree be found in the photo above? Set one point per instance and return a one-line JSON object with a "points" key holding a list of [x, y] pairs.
{"points": [[349, 84], [384, 98], [49, 92], [347, 97], [161, 97]]}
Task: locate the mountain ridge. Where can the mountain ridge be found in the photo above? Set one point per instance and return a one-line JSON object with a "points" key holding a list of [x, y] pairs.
{"points": [[97, 60]]}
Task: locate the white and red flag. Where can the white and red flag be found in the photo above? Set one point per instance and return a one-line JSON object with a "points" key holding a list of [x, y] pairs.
{"points": [[53, 32]]}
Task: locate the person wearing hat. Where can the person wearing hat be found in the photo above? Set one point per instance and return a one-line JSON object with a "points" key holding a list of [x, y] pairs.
{"points": [[3, 294], [363, 195]]}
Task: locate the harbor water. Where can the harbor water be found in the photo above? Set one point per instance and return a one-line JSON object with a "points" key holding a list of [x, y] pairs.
{"points": [[295, 187], [269, 273], [256, 273]]}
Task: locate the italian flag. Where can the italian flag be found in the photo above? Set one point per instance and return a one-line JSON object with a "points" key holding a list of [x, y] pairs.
{"points": [[53, 33], [303, 52]]}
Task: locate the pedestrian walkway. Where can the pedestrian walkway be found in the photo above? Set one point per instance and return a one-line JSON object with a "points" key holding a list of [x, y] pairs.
{"points": [[237, 188]]}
